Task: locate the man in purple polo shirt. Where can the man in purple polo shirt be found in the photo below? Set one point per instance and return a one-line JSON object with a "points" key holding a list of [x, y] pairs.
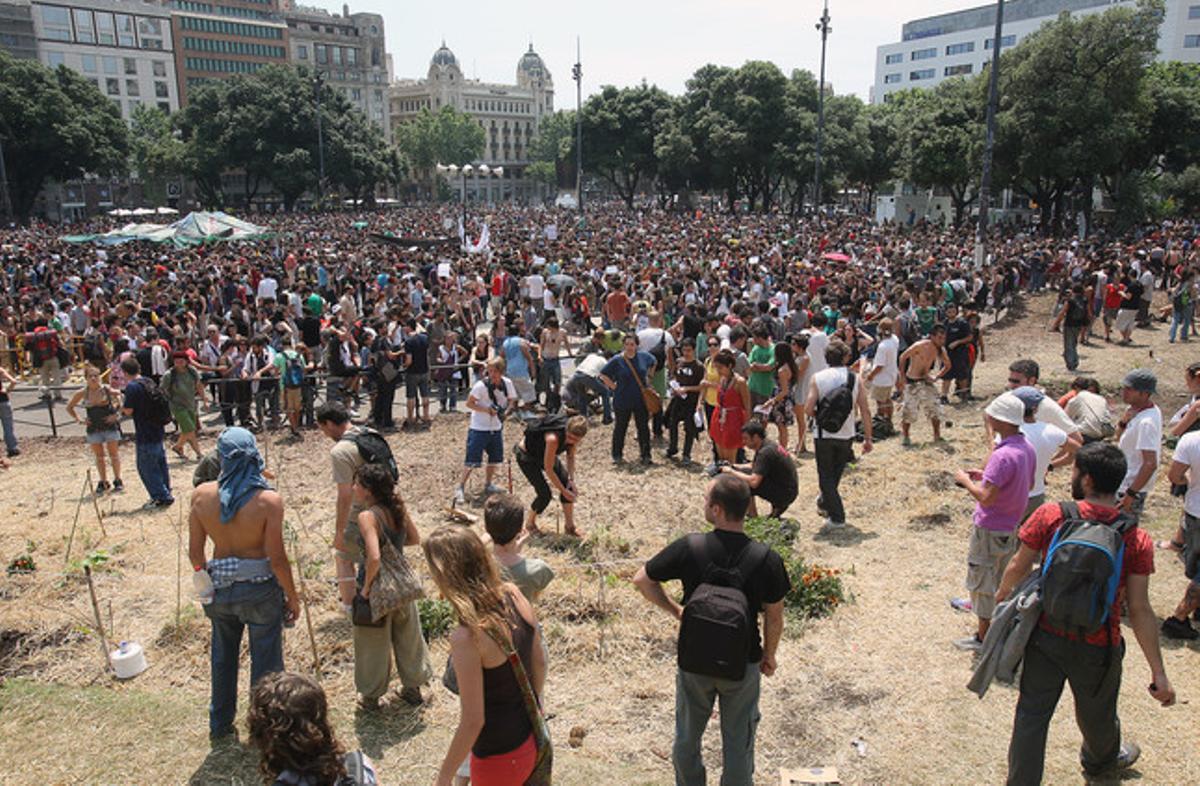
{"points": [[1001, 492]]}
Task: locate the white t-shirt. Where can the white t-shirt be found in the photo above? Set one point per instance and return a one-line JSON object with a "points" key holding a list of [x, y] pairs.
{"points": [[1089, 411], [649, 338], [267, 288], [817, 342], [887, 356], [479, 392], [592, 365], [1050, 412], [1188, 452], [1046, 440], [826, 381], [537, 286], [1144, 432]]}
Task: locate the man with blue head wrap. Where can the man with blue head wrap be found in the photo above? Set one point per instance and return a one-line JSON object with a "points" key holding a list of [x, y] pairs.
{"points": [[251, 578]]}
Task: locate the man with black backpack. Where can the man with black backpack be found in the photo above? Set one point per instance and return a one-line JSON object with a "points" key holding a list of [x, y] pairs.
{"points": [[1078, 638], [834, 395], [151, 412], [728, 580], [1072, 319]]}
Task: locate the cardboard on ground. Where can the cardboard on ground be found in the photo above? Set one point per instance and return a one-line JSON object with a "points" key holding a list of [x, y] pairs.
{"points": [[809, 775]]}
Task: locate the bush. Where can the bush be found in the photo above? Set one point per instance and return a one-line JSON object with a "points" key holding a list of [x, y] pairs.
{"points": [[816, 590], [437, 617]]}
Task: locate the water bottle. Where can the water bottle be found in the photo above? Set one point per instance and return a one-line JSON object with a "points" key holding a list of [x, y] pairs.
{"points": [[202, 585]]}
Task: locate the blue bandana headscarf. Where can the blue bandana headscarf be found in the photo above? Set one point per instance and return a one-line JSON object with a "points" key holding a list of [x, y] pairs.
{"points": [[241, 471]]}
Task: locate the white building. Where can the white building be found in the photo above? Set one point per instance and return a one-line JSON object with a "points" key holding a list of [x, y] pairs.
{"points": [[124, 48], [509, 115], [960, 43]]}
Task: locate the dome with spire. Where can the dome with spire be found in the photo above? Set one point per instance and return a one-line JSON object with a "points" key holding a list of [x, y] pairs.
{"points": [[531, 66], [444, 57]]}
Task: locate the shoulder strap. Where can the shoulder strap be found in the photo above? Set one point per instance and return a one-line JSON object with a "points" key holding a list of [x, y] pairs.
{"points": [[633, 370], [1070, 510], [752, 558]]}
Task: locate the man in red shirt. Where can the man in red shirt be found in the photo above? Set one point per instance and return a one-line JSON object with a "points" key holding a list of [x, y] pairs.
{"points": [[1091, 665]]}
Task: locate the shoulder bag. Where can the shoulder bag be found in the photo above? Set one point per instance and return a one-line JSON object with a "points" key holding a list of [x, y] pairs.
{"points": [[397, 583], [544, 763], [650, 396]]}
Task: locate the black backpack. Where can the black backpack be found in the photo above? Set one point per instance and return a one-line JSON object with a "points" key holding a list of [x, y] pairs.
{"points": [[717, 629], [544, 424], [373, 448], [1082, 571], [158, 406], [659, 353], [834, 408], [1076, 312]]}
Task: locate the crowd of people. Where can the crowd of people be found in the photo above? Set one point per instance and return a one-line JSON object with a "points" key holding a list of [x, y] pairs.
{"points": [[754, 331]]}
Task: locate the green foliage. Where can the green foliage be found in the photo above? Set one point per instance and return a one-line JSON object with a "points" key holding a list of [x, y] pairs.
{"points": [[156, 153], [24, 563], [816, 590], [55, 125], [98, 560], [447, 136], [618, 135], [552, 151], [437, 617]]}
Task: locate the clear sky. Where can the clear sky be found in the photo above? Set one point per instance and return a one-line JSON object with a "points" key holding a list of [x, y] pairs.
{"points": [[661, 41]]}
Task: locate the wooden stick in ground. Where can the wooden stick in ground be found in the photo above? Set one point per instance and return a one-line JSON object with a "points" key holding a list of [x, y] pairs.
{"points": [[179, 568], [96, 505], [75, 523], [87, 571], [312, 637]]}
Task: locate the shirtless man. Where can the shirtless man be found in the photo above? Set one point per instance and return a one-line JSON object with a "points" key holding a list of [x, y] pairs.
{"points": [[916, 382], [251, 575], [550, 348]]}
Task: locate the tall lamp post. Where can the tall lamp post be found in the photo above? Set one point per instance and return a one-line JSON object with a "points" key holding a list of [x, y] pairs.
{"points": [[985, 179], [824, 28], [5, 201], [318, 81], [577, 75]]}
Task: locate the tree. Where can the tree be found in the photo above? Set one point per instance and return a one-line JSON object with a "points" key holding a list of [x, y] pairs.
{"points": [[618, 135], [875, 163], [156, 152], [202, 126], [443, 137], [55, 125], [942, 133], [552, 151]]}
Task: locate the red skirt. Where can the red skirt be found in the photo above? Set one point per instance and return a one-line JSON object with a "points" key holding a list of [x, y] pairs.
{"points": [[505, 769], [727, 435]]}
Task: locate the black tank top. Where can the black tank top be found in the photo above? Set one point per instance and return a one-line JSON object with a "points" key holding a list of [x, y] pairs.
{"points": [[506, 723]]}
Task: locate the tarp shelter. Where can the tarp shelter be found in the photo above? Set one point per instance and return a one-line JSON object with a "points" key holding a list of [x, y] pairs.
{"points": [[191, 230]]}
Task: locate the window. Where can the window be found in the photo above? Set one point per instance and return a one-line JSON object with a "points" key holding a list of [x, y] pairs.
{"points": [[130, 66], [89, 64], [961, 49], [160, 90], [959, 70], [337, 55], [165, 106], [302, 52], [56, 23], [356, 94], [85, 28], [54, 59], [131, 87], [160, 68], [351, 57], [150, 32], [106, 30], [895, 57], [322, 54], [1194, 12], [891, 79], [110, 64], [924, 73], [112, 86], [1191, 42], [125, 31], [924, 54], [1005, 41]]}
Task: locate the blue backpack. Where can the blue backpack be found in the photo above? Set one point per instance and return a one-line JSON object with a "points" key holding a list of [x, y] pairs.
{"points": [[1082, 571], [293, 370]]}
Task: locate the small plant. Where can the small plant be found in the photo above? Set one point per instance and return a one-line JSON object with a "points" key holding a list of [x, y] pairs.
{"points": [[816, 590], [98, 561], [22, 564], [313, 569], [437, 617]]}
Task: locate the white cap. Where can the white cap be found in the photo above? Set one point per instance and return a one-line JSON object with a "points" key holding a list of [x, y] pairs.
{"points": [[1007, 408]]}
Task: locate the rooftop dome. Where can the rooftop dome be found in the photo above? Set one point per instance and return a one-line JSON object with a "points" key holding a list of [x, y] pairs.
{"points": [[444, 57], [531, 64]]}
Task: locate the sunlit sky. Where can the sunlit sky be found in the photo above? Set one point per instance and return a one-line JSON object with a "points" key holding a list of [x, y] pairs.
{"points": [[661, 41]]}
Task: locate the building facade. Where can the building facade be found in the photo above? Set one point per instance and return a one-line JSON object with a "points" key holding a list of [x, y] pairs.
{"points": [[125, 48], [17, 36], [219, 38], [960, 43], [508, 113], [348, 50]]}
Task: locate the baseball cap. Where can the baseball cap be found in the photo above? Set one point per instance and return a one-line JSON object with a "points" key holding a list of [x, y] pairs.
{"points": [[1030, 396], [1142, 380], [1007, 408]]}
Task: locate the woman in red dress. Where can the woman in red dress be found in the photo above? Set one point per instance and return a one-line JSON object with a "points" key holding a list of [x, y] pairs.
{"points": [[733, 406]]}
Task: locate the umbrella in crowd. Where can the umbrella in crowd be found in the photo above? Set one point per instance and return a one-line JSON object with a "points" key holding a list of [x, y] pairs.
{"points": [[836, 257], [560, 281]]}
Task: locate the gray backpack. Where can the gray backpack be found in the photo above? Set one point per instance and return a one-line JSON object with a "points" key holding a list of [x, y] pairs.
{"points": [[1082, 571]]}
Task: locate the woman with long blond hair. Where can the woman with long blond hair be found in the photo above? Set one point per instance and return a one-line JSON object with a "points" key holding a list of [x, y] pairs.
{"points": [[101, 417], [494, 619]]}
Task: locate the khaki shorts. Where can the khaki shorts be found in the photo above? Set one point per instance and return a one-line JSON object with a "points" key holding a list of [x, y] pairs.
{"points": [[881, 393], [353, 549], [291, 399], [920, 397], [988, 553]]}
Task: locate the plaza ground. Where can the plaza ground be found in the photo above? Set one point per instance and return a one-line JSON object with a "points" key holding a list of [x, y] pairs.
{"points": [[881, 670]]}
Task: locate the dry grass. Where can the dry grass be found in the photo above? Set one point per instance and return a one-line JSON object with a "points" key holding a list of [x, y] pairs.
{"points": [[881, 669]]}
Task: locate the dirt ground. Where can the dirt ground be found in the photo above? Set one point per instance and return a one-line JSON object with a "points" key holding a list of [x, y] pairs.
{"points": [[881, 670]]}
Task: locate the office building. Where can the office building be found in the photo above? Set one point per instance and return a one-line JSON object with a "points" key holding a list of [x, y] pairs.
{"points": [[17, 36], [960, 43], [224, 37], [508, 113]]}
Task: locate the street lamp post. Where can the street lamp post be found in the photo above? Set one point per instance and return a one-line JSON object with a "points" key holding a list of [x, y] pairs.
{"points": [[317, 83], [577, 75], [985, 179], [5, 200], [824, 28], [465, 170]]}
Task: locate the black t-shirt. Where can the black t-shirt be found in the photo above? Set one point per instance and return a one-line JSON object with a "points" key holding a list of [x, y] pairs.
{"points": [[689, 375], [310, 330], [1135, 290], [417, 346], [768, 584], [779, 483], [692, 326], [535, 443]]}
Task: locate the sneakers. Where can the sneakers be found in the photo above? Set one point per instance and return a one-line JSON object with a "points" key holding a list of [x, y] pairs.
{"points": [[969, 644], [460, 496], [491, 489], [102, 487], [962, 604], [1175, 628], [118, 485], [1126, 758], [412, 696], [14, 452]]}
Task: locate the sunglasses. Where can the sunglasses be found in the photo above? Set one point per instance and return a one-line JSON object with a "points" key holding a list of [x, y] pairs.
{"points": [[1014, 381]]}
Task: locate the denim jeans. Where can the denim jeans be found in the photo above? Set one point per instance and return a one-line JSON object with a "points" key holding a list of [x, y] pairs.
{"points": [[1070, 336], [1095, 679], [832, 457], [447, 395], [258, 607], [1179, 318], [694, 697], [577, 390], [6, 421], [152, 469]]}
